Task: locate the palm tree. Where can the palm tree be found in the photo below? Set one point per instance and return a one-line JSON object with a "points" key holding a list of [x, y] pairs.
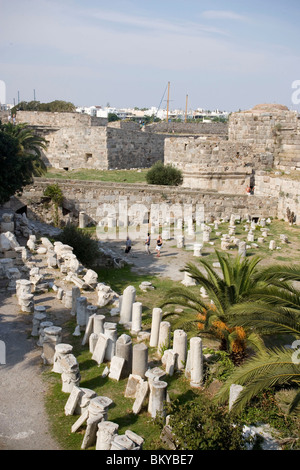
{"points": [[241, 280], [275, 312], [30, 145]]}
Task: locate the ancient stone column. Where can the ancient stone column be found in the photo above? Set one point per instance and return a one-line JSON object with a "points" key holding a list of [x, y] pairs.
{"points": [[197, 249], [43, 325], [127, 301], [164, 337], [250, 237], [206, 236], [61, 349], [136, 324], [188, 280], [158, 395], [53, 336], [242, 249], [93, 339], [196, 358], [75, 294], [180, 347], [155, 325], [122, 442], [96, 414], [139, 359], [26, 302], [81, 305], [107, 430], [38, 317], [82, 219], [84, 399], [180, 241], [98, 323], [234, 392], [90, 310], [110, 332], [124, 350], [70, 375], [272, 245], [23, 286], [67, 299]]}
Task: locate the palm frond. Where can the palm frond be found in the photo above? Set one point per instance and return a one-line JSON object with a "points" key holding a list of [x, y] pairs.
{"points": [[270, 367]]}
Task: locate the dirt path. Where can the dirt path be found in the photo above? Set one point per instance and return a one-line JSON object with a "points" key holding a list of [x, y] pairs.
{"points": [[23, 420]]}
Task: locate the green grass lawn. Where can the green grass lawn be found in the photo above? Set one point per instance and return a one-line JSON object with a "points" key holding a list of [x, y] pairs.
{"points": [[120, 411], [115, 176], [178, 386]]}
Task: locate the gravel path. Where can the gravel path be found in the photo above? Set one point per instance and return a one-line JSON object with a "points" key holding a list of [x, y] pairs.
{"points": [[23, 420]]}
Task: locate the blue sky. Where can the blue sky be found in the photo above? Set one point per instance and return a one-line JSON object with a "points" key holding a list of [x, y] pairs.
{"points": [[223, 54]]}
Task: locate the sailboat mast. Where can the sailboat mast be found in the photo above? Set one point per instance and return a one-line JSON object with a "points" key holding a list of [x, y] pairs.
{"points": [[168, 101], [186, 104]]}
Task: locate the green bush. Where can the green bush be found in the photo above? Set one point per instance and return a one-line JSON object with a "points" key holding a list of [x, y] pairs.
{"points": [[54, 192], [164, 175], [200, 425], [84, 246]]}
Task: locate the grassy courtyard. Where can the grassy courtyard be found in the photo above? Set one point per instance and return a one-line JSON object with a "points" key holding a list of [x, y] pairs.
{"points": [[114, 176]]}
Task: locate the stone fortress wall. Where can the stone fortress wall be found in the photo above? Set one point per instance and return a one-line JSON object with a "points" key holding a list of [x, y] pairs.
{"points": [[269, 128], [81, 141], [265, 137], [89, 196], [219, 160]]}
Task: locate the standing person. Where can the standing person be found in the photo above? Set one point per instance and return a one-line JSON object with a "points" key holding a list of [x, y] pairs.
{"points": [[128, 245], [147, 244], [158, 245]]}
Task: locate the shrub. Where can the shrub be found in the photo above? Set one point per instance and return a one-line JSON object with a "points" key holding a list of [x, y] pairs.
{"points": [[84, 246], [200, 425], [54, 192], [164, 175]]}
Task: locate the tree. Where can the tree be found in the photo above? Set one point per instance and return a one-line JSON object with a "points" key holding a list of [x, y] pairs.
{"points": [[241, 282], [54, 192], [84, 246], [112, 117], [19, 158], [274, 312], [59, 106], [164, 175]]}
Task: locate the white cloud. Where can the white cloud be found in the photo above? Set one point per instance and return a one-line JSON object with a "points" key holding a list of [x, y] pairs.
{"points": [[223, 15]]}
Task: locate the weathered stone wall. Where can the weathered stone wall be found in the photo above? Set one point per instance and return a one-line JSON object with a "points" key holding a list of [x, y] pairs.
{"points": [[88, 196], [76, 147], [286, 191], [189, 128], [215, 164], [269, 128], [58, 120], [4, 116], [81, 141], [133, 149]]}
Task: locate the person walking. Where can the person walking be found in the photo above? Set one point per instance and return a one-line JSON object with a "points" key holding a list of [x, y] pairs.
{"points": [[147, 244], [128, 245], [158, 245]]}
